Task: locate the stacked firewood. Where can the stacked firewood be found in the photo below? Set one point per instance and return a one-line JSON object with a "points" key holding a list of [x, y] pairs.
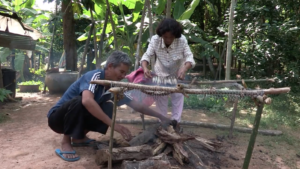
{"points": [[150, 149]]}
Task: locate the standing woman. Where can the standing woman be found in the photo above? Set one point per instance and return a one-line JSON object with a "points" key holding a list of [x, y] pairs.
{"points": [[173, 58]]}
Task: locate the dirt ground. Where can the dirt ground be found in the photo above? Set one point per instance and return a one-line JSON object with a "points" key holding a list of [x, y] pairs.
{"points": [[27, 142]]}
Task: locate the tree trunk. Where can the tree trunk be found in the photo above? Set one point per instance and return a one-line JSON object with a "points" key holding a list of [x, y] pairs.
{"points": [[229, 43], [150, 18], [1, 77], [204, 66], [137, 55], [95, 37], [169, 6], [69, 35], [98, 61], [152, 60], [85, 49], [112, 25], [211, 66], [39, 63]]}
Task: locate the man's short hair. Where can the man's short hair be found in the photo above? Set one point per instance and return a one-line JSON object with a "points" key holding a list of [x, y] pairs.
{"points": [[169, 25], [118, 57]]}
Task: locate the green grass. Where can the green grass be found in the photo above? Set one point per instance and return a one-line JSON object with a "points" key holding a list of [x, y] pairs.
{"points": [[283, 111]]}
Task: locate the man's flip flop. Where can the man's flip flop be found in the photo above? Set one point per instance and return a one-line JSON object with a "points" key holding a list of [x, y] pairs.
{"points": [[61, 153], [87, 143]]}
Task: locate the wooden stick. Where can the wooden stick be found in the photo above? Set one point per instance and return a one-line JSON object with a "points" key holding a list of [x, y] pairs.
{"points": [[115, 90], [232, 119], [192, 91], [203, 124], [112, 127], [253, 135], [230, 81], [193, 81]]}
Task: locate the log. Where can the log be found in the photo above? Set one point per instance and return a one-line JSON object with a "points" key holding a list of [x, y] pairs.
{"points": [[159, 146], [180, 155], [206, 125], [210, 145], [194, 158], [147, 136], [160, 161], [171, 136], [124, 153]]}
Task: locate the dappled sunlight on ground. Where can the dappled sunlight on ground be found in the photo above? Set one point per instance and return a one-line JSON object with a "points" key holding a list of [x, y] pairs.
{"points": [[29, 143]]}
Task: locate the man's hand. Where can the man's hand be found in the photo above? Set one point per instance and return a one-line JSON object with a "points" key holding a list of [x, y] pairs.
{"points": [[123, 131], [181, 73], [147, 73]]}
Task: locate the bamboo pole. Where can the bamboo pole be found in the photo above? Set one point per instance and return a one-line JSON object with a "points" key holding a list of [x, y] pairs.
{"points": [[192, 91], [230, 81], [115, 92], [203, 124], [259, 111]]}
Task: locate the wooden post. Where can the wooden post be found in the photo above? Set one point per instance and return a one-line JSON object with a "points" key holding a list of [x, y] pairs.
{"points": [[115, 91], [235, 104], [259, 111]]}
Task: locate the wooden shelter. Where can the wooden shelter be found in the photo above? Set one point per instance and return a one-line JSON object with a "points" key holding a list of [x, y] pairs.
{"points": [[15, 35]]}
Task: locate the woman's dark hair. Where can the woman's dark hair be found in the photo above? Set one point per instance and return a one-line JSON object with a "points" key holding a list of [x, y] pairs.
{"points": [[169, 25]]}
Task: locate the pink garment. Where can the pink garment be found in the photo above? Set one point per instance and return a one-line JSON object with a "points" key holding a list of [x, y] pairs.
{"points": [[137, 76]]}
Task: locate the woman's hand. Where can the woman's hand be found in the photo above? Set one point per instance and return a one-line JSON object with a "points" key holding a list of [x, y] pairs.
{"points": [[147, 73], [181, 73]]}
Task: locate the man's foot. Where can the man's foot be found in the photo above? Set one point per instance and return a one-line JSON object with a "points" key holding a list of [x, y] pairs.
{"points": [[86, 142], [62, 153], [66, 152]]}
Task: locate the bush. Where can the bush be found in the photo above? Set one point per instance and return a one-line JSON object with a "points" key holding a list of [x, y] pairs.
{"points": [[3, 94], [32, 82]]}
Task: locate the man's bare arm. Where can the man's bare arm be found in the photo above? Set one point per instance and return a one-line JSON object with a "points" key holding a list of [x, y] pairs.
{"points": [[92, 106]]}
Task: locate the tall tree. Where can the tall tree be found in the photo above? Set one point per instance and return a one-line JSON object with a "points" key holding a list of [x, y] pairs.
{"points": [[69, 35], [169, 6], [229, 42]]}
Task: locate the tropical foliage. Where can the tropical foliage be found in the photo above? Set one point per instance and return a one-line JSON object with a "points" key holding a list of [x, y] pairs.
{"points": [[265, 42]]}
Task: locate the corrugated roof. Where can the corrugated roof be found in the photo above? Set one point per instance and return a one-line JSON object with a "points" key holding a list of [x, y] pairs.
{"points": [[14, 41], [15, 34]]}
